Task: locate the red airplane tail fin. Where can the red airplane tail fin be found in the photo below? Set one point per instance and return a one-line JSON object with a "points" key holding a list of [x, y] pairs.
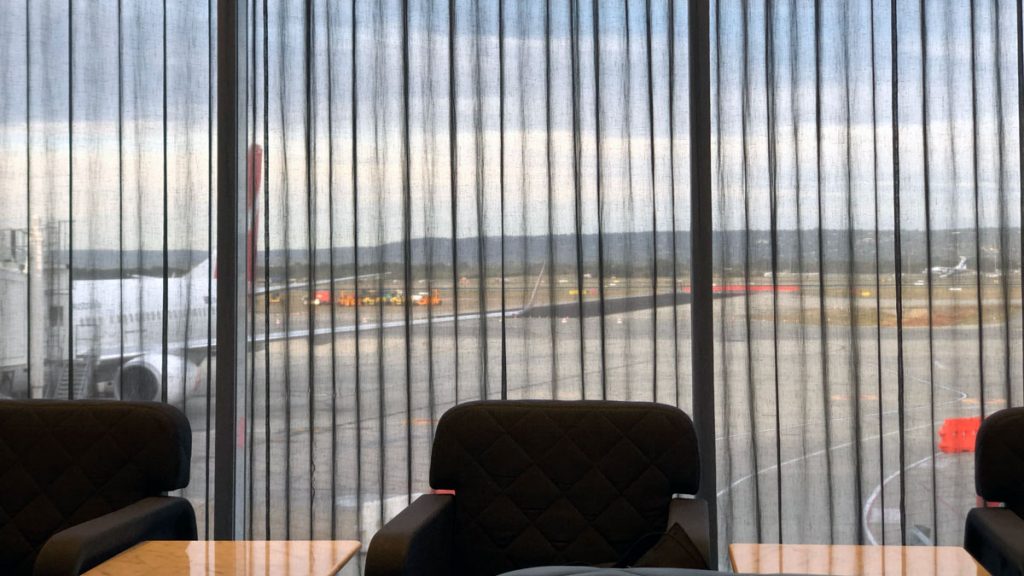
{"points": [[254, 174]]}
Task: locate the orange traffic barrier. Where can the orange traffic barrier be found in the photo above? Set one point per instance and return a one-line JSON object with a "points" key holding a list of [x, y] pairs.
{"points": [[958, 434]]}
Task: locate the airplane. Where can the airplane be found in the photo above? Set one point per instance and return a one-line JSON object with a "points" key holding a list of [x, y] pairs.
{"points": [[947, 271], [111, 320]]}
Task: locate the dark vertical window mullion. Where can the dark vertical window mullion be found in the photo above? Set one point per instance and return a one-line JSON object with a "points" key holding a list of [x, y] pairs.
{"points": [[231, 175], [702, 318]]}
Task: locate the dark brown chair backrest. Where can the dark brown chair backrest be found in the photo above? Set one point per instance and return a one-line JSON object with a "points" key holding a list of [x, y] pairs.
{"points": [[999, 459], [549, 482], [64, 463]]}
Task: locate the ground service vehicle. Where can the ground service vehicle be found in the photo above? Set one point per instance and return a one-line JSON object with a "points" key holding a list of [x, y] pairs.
{"points": [[433, 298], [319, 297]]}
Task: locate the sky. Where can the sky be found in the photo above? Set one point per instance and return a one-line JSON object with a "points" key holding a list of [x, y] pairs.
{"points": [[117, 168]]}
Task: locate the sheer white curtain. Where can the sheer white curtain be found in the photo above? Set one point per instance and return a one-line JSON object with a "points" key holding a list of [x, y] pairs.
{"points": [[106, 218], [867, 168], [461, 199], [457, 200]]}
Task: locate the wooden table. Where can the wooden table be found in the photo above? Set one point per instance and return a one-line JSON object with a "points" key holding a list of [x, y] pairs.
{"points": [[844, 560], [248, 558]]}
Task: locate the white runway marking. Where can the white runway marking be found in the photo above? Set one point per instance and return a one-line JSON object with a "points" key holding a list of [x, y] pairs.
{"points": [[878, 491], [743, 479], [961, 396]]}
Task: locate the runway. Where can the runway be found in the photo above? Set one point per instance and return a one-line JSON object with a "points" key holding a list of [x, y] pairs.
{"points": [[332, 442]]}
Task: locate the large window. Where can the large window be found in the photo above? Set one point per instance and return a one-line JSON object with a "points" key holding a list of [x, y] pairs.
{"points": [[450, 200], [106, 227], [460, 200], [867, 178], [447, 201]]}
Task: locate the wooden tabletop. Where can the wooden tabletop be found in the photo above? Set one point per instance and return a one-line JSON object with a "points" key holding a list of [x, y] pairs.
{"points": [[845, 560], [239, 558]]}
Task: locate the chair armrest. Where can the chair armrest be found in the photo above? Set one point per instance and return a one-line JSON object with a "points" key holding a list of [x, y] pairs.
{"points": [[417, 542], [86, 545], [995, 537], [692, 516]]}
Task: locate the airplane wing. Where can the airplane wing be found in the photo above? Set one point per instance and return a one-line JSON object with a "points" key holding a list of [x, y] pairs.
{"points": [[198, 347], [325, 331], [324, 283], [563, 310]]}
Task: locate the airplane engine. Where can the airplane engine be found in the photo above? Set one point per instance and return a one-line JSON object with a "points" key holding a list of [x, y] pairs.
{"points": [[140, 379]]}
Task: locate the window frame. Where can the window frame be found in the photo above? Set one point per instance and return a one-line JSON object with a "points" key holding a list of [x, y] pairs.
{"points": [[232, 37]]}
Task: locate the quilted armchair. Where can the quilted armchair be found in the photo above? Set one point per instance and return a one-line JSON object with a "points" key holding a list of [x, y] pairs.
{"points": [[544, 483], [82, 481], [995, 536]]}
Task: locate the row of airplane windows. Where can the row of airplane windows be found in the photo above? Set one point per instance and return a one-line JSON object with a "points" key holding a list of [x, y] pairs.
{"points": [[155, 315], [57, 315]]}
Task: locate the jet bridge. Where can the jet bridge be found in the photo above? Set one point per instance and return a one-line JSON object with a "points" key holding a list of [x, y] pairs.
{"points": [[13, 313], [34, 303]]}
